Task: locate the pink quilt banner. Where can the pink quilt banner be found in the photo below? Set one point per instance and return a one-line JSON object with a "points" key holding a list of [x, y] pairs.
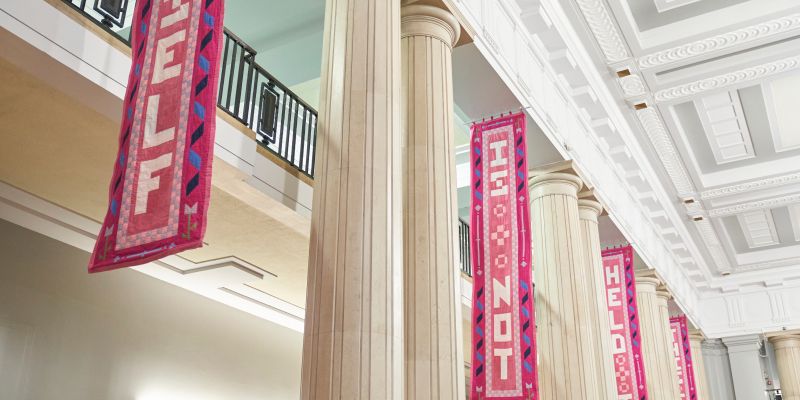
{"points": [[159, 192], [624, 317], [683, 357], [503, 325]]}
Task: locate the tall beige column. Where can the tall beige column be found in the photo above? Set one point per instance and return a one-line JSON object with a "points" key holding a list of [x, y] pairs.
{"points": [[669, 357], [352, 346], [659, 365], [566, 369], [787, 354], [594, 281], [698, 363], [433, 345]]}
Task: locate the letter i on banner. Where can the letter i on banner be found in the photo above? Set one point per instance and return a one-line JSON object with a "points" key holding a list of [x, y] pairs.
{"points": [[503, 322], [623, 315], [683, 357], [160, 189]]}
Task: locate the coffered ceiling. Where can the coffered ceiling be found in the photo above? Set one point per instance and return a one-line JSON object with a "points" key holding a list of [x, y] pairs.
{"points": [[713, 87]]}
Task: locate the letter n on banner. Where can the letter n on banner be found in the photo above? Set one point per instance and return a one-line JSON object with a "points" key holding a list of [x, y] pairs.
{"points": [[159, 192], [503, 325], [624, 320], [683, 357]]}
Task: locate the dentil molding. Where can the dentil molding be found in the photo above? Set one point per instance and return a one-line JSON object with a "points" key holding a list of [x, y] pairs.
{"points": [[721, 41], [728, 79]]}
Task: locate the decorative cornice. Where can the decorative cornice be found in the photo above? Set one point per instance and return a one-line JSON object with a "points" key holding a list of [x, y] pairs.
{"points": [[750, 186], [605, 31], [754, 205], [732, 78], [660, 139], [720, 42]]}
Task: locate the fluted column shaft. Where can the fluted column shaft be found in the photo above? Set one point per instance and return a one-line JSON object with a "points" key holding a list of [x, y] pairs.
{"points": [[434, 359], [699, 365], [787, 355], [352, 346], [670, 369], [594, 280], [659, 365], [565, 365]]}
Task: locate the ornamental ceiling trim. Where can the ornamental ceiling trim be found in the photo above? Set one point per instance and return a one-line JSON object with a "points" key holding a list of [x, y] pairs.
{"points": [[605, 30], [722, 41], [738, 77]]}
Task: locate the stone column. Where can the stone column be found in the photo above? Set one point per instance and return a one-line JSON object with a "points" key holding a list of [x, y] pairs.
{"points": [[566, 370], [659, 365], [787, 355], [434, 359], [748, 376], [718, 368], [598, 322], [699, 364], [353, 341], [663, 297]]}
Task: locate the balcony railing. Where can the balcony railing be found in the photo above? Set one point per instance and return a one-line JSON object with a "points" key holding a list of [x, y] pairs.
{"points": [[283, 123], [464, 255]]}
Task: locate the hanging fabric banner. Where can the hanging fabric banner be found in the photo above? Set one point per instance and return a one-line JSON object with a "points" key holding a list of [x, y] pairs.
{"points": [[624, 317], [683, 357], [159, 192], [503, 326]]}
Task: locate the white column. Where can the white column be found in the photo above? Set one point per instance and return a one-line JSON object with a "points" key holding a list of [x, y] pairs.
{"points": [[353, 341], [562, 305], [598, 323], [787, 354], [656, 338], [748, 377], [434, 362], [698, 362], [718, 369]]}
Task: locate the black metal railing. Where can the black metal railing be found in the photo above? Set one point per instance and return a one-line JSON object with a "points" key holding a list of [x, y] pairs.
{"points": [[284, 123], [464, 255]]}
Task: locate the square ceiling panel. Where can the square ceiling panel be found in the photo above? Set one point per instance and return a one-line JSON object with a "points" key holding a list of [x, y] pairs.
{"points": [[782, 96]]}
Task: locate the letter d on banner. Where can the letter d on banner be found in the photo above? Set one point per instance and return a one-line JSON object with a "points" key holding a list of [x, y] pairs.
{"points": [[503, 325]]}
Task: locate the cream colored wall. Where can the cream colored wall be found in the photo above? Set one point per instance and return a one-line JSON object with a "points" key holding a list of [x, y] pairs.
{"points": [[67, 335]]}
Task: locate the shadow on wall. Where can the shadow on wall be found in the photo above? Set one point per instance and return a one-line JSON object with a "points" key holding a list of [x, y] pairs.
{"points": [[65, 334]]}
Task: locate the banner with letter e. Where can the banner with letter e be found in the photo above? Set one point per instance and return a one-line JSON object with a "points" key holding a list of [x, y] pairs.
{"points": [[503, 325], [160, 189], [626, 348], [683, 357]]}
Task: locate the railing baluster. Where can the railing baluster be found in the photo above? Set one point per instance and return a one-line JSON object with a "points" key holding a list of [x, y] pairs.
{"points": [[240, 96]]}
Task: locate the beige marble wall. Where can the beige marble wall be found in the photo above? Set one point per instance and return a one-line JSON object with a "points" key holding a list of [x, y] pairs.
{"points": [[352, 345], [434, 358]]}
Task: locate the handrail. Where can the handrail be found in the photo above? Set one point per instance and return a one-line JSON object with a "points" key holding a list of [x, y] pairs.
{"points": [[284, 123]]}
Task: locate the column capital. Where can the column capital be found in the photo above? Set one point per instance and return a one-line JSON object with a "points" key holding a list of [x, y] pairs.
{"points": [[739, 344], [425, 20], [696, 335], [785, 340], [647, 284], [589, 209], [555, 183]]}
